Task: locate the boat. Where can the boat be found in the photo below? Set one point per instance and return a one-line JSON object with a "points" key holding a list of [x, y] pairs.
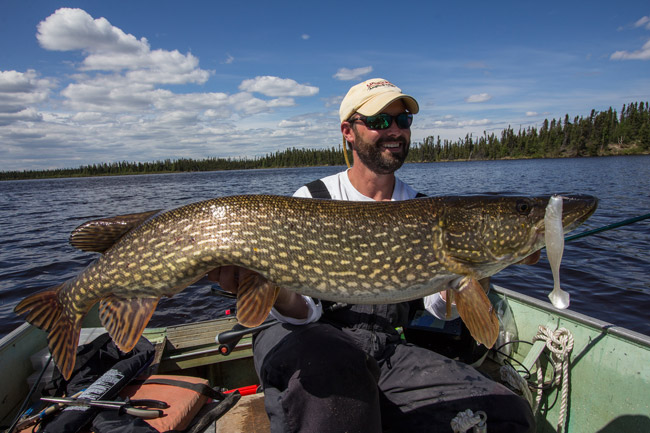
{"points": [[604, 376]]}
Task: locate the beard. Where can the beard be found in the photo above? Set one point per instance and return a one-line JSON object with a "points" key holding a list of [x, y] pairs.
{"points": [[371, 154]]}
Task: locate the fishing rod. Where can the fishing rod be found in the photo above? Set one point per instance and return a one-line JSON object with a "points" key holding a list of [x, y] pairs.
{"points": [[608, 227], [227, 340]]}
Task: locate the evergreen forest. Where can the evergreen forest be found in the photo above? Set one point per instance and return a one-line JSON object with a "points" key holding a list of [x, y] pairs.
{"points": [[601, 133]]}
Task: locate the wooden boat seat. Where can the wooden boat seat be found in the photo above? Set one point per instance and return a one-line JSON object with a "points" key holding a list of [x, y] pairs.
{"points": [[248, 416]]}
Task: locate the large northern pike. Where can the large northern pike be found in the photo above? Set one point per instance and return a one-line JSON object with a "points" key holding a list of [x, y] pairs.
{"points": [[354, 252]]}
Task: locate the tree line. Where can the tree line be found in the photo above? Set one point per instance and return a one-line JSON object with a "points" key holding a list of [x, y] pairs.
{"points": [[599, 134]]}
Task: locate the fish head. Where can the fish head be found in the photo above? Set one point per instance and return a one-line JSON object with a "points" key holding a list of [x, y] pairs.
{"points": [[481, 235]]}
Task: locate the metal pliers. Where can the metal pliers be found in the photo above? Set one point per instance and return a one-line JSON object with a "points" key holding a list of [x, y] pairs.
{"points": [[139, 408]]}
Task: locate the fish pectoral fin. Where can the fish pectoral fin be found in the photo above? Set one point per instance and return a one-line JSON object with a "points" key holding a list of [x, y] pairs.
{"points": [[255, 298], [101, 234], [125, 319], [477, 312]]}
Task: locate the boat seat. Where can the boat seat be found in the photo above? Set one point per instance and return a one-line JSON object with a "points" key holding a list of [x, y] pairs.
{"points": [[248, 416]]}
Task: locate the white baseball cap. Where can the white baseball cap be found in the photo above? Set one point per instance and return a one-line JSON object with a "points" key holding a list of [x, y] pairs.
{"points": [[371, 97]]}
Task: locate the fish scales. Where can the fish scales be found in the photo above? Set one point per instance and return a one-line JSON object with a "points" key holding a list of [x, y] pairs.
{"points": [[351, 251], [355, 252]]}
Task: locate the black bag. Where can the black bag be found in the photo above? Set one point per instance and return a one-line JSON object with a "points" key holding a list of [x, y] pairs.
{"points": [[101, 370]]}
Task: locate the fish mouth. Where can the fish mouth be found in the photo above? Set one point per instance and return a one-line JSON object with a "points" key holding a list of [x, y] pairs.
{"points": [[576, 209]]}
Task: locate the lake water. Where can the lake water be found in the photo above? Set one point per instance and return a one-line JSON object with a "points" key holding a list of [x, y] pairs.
{"points": [[607, 274]]}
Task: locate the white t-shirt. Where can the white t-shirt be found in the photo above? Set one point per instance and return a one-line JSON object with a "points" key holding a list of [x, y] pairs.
{"points": [[340, 188]]}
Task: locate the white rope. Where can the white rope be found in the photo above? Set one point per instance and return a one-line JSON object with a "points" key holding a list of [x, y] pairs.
{"points": [[560, 344], [469, 420]]}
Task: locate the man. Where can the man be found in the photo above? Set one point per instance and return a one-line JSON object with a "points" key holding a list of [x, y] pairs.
{"points": [[333, 368]]}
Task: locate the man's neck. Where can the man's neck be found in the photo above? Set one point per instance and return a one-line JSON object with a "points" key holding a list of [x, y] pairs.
{"points": [[376, 186]]}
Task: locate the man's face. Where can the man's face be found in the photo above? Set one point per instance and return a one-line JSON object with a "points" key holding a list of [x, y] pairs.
{"points": [[382, 151]]}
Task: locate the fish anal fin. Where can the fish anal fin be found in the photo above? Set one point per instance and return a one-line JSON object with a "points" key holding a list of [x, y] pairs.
{"points": [[477, 312], [62, 341], [125, 319], [101, 234], [255, 298]]}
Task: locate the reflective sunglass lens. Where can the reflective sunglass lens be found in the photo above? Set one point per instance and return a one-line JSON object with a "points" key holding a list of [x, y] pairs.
{"points": [[404, 120], [380, 121]]}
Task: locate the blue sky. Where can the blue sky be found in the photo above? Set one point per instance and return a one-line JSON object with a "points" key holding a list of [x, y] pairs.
{"points": [[83, 82]]}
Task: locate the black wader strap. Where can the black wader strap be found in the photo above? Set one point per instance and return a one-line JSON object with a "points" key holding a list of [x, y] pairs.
{"points": [[318, 189]]}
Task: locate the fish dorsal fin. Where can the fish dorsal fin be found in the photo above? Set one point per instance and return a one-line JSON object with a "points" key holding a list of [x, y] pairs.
{"points": [[101, 234], [125, 319], [255, 298], [477, 312]]}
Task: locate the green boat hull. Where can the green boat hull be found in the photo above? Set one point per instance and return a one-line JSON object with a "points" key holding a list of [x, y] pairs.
{"points": [[609, 375]]}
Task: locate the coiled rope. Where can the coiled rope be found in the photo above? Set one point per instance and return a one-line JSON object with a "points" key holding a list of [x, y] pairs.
{"points": [[469, 420], [560, 344]]}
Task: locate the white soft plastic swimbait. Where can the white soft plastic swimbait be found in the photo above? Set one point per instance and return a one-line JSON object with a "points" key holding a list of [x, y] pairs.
{"points": [[554, 237]]}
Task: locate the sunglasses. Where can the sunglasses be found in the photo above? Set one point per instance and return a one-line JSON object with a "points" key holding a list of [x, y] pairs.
{"points": [[383, 120]]}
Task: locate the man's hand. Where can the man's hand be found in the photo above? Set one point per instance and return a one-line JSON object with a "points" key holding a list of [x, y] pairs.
{"points": [[287, 303], [228, 277]]}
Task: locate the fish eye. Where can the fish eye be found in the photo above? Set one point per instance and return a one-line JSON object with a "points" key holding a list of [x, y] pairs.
{"points": [[523, 207]]}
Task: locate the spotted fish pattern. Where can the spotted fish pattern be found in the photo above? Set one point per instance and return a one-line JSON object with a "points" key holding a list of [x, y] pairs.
{"points": [[354, 252]]}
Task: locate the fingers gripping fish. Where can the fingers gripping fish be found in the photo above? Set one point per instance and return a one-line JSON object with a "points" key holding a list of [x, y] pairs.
{"points": [[353, 252]]}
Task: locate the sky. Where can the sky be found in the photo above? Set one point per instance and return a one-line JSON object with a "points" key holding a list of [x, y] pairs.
{"points": [[85, 82]]}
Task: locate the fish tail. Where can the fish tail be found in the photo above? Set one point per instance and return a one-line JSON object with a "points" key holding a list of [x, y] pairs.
{"points": [[477, 312], [45, 311], [255, 298]]}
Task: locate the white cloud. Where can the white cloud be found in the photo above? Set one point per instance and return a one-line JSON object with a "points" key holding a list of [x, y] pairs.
{"points": [[293, 124], [450, 123], [531, 113], [643, 22], [345, 74], [642, 54], [108, 48], [477, 122], [481, 97], [26, 115], [19, 92], [74, 29], [275, 86], [304, 36]]}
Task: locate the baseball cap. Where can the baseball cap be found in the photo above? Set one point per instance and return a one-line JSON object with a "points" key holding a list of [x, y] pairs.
{"points": [[371, 97]]}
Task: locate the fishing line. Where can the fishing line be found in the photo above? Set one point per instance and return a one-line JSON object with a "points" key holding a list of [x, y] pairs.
{"points": [[29, 396], [608, 227]]}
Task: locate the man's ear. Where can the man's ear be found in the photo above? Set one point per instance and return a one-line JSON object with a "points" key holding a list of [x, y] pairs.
{"points": [[348, 133]]}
